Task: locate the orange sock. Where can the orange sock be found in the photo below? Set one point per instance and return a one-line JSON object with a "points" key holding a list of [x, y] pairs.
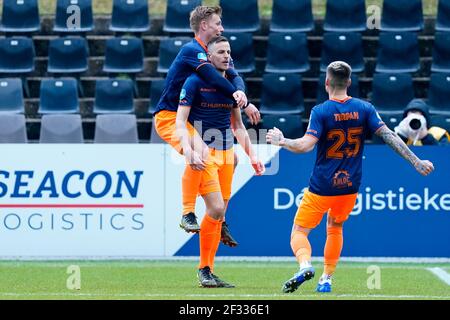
{"points": [[212, 256], [190, 186], [300, 246], [209, 239], [333, 248]]}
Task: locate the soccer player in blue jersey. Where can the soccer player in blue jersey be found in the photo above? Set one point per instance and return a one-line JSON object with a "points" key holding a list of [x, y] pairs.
{"points": [[216, 117], [192, 58], [338, 127]]}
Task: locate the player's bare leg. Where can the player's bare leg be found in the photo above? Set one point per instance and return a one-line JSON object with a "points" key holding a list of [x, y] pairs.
{"points": [[332, 252], [302, 250]]}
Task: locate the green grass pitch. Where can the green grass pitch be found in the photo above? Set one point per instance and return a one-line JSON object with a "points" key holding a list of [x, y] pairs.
{"points": [[176, 280]]}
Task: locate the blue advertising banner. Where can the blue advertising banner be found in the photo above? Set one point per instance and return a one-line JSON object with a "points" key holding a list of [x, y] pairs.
{"points": [[399, 213]]}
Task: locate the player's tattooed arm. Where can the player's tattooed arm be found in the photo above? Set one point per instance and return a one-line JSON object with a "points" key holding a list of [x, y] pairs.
{"points": [[424, 167]]}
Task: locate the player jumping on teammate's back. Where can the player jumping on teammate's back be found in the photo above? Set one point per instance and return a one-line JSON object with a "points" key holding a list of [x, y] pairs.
{"points": [[338, 127], [213, 115], [192, 59]]}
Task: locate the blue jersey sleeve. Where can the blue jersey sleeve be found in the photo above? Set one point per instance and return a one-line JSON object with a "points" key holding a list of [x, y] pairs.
{"points": [[315, 126], [193, 57], [188, 92], [374, 121]]}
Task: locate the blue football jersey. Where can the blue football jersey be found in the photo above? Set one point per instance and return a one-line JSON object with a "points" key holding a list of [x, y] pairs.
{"points": [[340, 127]]}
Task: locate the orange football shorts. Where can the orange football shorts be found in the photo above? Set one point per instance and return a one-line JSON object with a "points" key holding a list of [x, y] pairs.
{"points": [[165, 125]]}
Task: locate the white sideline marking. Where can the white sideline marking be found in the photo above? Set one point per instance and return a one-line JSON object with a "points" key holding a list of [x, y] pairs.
{"points": [[441, 274], [169, 295]]}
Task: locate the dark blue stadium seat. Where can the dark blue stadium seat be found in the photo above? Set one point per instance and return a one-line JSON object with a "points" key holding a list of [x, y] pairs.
{"points": [[402, 15], [441, 121], [114, 96], [156, 89], [20, 16], [345, 16], [441, 52], [439, 93], [398, 52], [177, 15], [68, 55], [61, 128], [391, 93], [346, 47], [16, 55], [240, 16], [290, 125], [168, 50], [124, 55], [11, 94], [282, 94], [287, 53], [67, 9], [443, 16], [59, 96], [292, 16], [322, 95], [242, 51], [116, 128], [13, 128], [130, 16]]}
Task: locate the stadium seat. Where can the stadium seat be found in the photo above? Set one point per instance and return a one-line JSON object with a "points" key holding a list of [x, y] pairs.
{"points": [[168, 50], [291, 126], [391, 93], [439, 93], [282, 94], [391, 120], [124, 55], [154, 136], [16, 55], [61, 128], [20, 16], [242, 51], [240, 16], [114, 96], [130, 16], [402, 15], [116, 128], [322, 95], [443, 16], [441, 121], [156, 89], [59, 96], [287, 53], [177, 15], [68, 55], [85, 23], [13, 128], [345, 16], [441, 52], [292, 16], [398, 52], [11, 94], [342, 46]]}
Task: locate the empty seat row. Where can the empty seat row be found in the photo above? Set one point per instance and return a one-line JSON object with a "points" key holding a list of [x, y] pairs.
{"points": [[68, 128]]}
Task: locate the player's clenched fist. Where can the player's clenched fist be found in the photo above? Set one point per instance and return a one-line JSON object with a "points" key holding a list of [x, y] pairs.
{"points": [[424, 167], [274, 136]]}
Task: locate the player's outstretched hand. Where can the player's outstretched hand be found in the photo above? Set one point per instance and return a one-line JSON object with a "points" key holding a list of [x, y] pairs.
{"points": [[424, 167], [195, 160], [241, 98], [252, 113], [259, 167], [274, 136]]}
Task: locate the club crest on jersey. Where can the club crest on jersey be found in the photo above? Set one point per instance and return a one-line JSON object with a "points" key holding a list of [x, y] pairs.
{"points": [[341, 179], [202, 56]]}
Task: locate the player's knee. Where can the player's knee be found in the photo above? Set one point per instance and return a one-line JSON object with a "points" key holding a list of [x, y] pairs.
{"points": [[332, 223], [217, 211]]}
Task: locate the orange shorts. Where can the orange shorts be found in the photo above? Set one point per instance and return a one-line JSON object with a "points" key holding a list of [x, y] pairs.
{"points": [[165, 125], [218, 174], [313, 207]]}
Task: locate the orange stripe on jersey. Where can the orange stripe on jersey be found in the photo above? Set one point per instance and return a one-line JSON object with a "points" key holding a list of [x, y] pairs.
{"points": [[311, 135], [201, 65], [341, 101], [201, 43]]}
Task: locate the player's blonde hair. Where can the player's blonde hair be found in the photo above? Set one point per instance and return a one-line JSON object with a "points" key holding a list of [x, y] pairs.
{"points": [[339, 74], [201, 13]]}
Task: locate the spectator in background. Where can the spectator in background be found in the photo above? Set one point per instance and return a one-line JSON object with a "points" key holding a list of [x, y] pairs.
{"points": [[415, 128]]}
